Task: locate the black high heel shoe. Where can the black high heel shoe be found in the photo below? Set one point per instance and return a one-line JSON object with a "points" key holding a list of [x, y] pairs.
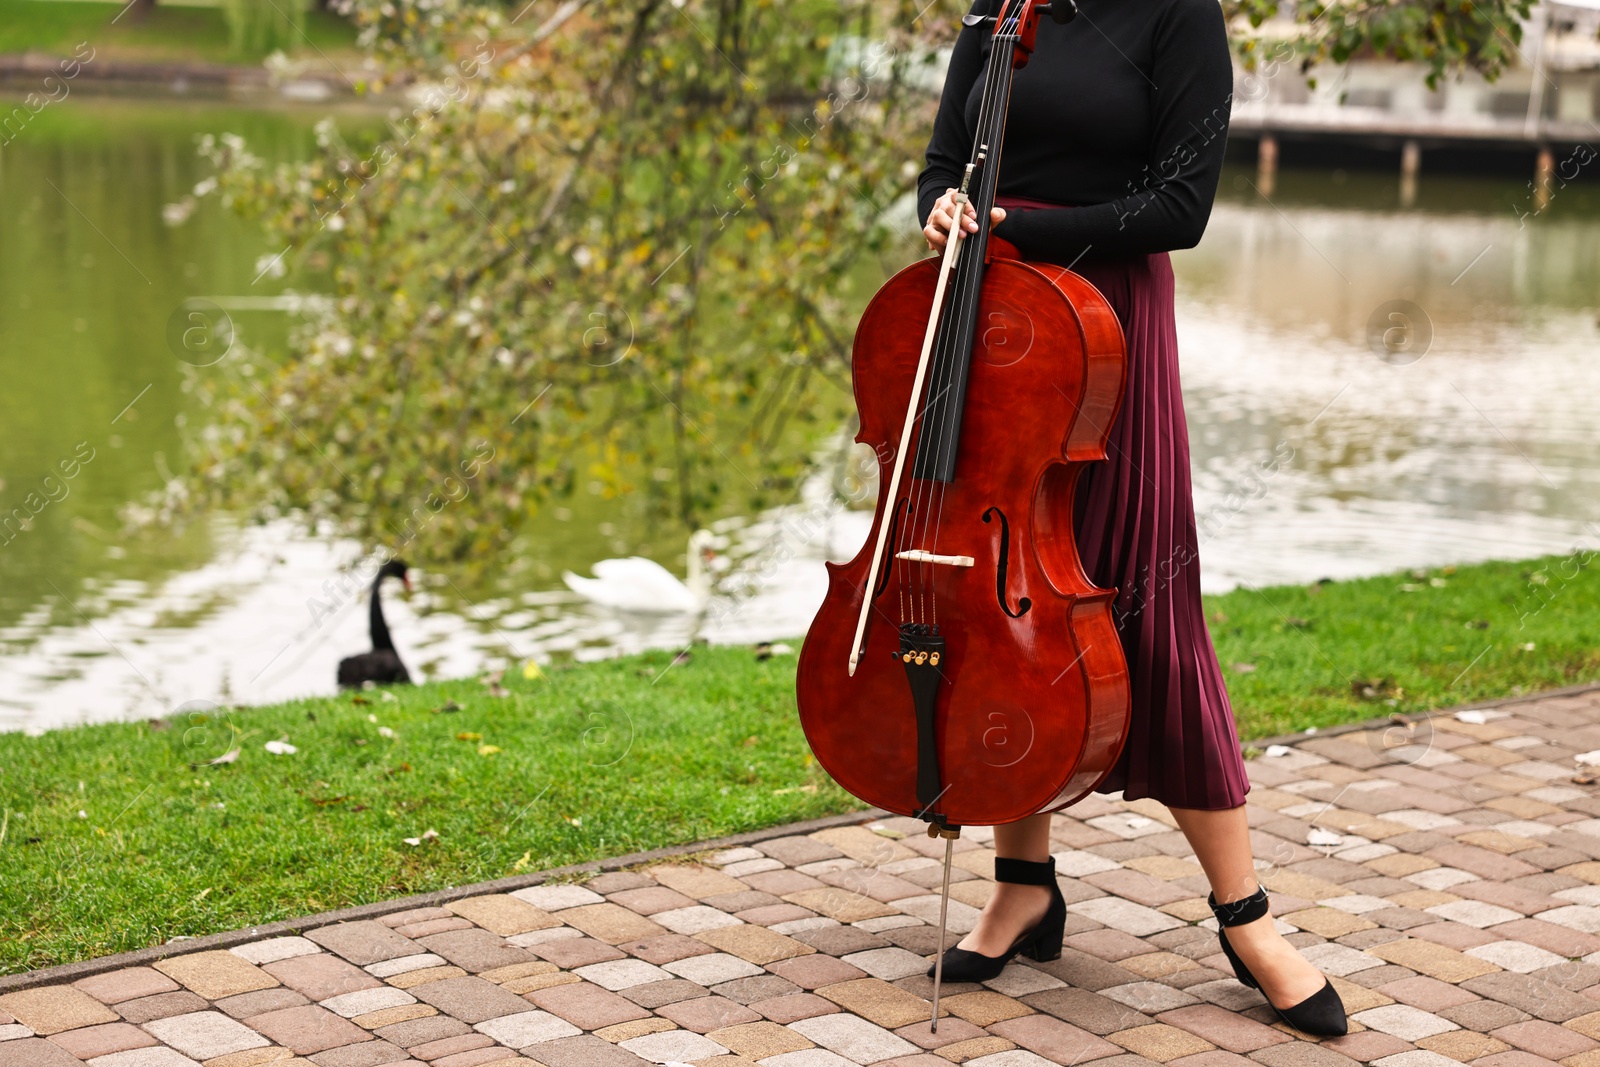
{"points": [[1041, 941], [1321, 1014]]}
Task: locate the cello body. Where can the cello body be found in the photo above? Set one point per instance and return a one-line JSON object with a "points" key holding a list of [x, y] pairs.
{"points": [[1030, 696]]}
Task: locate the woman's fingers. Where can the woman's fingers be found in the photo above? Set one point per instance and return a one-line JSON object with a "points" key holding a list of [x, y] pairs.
{"points": [[944, 212]]}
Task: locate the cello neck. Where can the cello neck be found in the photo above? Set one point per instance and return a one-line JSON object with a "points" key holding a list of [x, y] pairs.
{"points": [[947, 384]]}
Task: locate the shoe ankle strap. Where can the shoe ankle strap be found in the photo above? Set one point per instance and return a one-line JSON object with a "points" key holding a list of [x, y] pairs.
{"points": [[1025, 872], [1244, 910]]}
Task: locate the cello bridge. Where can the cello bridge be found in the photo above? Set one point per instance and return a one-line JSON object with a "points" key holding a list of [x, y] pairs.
{"points": [[918, 555]]}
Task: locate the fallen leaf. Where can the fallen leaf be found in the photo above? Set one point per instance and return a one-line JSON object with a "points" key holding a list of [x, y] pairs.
{"points": [[280, 748], [227, 757], [1278, 750], [468, 735], [531, 671], [488, 750]]}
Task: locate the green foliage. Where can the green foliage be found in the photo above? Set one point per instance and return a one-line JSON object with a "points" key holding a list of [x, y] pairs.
{"points": [[617, 250], [1448, 36], [259, 26]]}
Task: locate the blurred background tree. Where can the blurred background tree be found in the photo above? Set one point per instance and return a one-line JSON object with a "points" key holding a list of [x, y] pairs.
{"points": [[256, 26]]}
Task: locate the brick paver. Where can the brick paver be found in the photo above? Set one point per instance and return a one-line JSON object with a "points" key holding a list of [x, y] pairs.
{"points": [[1452, 894]]}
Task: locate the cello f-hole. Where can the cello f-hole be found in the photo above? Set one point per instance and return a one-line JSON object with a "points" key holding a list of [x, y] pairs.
{"points": [[1001, 568], [901, 505]]}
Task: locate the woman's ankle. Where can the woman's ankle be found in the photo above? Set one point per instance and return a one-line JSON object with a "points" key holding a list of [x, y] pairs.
{"points": [[1010, 910]]}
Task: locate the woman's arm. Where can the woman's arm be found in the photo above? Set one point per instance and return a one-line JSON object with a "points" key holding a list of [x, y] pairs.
{"points": [[1168, 205], [950, 147]]}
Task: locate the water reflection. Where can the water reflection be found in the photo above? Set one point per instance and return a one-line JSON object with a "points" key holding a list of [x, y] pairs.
{"points": [[1481, 448]]}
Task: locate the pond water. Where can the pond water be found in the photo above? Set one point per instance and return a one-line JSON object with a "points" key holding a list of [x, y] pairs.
{"points": [[1319, 450]]}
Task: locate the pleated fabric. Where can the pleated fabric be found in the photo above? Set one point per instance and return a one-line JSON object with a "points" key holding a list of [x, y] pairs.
{"points": [[1135, 530]]}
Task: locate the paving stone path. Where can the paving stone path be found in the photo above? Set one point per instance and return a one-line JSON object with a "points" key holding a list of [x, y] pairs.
{"points": [[1446, 875]]}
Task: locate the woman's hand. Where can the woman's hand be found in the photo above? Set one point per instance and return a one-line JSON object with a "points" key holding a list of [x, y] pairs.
{"points": [[944, 212]]}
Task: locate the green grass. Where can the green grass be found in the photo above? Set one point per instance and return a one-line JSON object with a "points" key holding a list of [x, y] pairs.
{"points": [[604, 759], [168, 34], [597, 760], [1301, 656]]}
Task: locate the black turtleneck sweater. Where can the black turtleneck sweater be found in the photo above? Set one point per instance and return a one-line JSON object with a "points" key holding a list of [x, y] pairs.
{"points": [[1123, 112]]}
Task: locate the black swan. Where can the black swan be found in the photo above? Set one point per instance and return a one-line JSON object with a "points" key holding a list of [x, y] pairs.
{"points": [[382, 665]]}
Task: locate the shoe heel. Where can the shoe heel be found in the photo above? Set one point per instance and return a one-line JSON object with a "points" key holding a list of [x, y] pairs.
{"points": [[1045, 944]]}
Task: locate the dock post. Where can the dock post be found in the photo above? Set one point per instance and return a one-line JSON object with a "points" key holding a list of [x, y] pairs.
{"points": [[1410, 165], [1543, 179], [1266, 164]]}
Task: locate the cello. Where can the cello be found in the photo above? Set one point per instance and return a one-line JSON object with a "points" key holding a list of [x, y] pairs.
{"points": [[963, 669]]}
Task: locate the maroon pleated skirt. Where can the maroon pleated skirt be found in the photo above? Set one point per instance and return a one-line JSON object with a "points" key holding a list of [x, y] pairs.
{"points": [[1135, 529]]}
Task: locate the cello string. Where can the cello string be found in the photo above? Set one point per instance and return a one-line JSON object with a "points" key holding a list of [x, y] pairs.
{"points": [[989, 133], [930, 429], [942, 436], [968, 283]]}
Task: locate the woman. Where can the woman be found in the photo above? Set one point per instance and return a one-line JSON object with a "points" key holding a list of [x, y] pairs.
{"points": [[1113, 148]]}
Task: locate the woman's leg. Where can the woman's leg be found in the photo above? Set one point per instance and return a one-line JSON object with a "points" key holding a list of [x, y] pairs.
{"points": [[1013, 908], [1221, 842]]}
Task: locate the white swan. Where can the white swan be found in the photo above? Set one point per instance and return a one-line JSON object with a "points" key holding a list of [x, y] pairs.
{"points": [[645, 587]]}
